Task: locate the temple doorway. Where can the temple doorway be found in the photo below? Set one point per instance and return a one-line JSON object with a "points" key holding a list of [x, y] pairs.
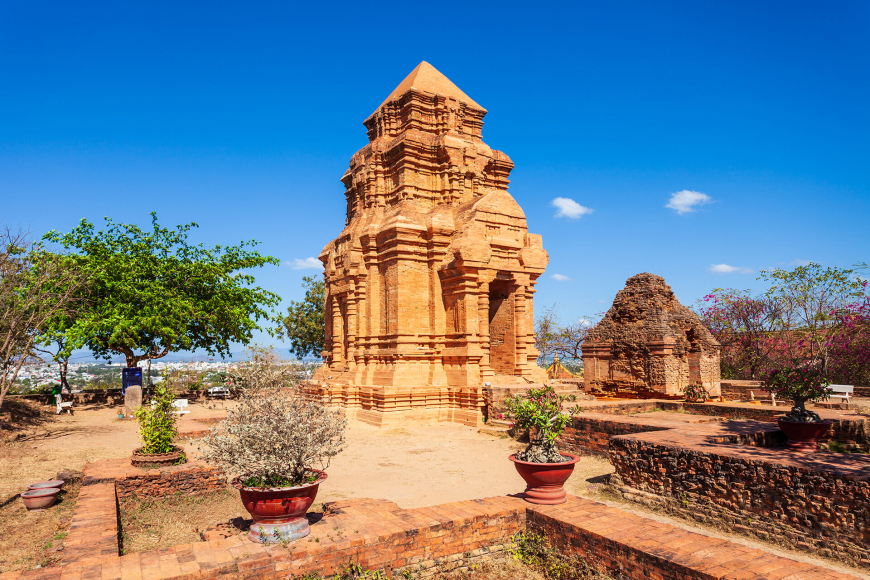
{"points": [[502, 338]]}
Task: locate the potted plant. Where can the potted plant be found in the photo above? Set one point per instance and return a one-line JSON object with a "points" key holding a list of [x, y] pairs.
{"points": [[695, 393], [800, 384], [269, 445], [545, 470], [157, 430]]}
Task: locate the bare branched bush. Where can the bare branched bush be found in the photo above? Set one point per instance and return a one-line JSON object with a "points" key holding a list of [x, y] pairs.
{"points": [[275, 436], [38, 288]]}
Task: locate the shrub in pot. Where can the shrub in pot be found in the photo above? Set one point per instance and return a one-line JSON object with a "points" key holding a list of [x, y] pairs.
{"points": [[695, 393], [275, 445], [544, 469], [800, 384], [157, 430]]}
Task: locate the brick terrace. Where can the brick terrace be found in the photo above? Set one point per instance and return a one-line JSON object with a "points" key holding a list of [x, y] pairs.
{"points": [[710, 468], [378, 534]]}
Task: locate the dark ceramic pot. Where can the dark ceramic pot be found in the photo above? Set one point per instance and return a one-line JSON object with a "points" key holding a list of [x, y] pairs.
{"points": [[803, 436], [46, 484], [545, 481], [36, 499], [140, 459], [279, 512]]}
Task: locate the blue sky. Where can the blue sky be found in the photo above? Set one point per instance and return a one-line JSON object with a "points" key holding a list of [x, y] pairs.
{"points": [[243, 116]]}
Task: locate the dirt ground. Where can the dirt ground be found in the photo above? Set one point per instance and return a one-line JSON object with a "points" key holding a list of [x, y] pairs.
{"points": [[32, 538]]}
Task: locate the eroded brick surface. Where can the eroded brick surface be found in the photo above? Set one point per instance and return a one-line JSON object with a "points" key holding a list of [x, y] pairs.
{"points": [[191, 478], [649, 345], [818, 502]]}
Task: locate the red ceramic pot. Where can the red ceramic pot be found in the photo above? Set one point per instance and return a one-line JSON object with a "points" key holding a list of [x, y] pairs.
{"points": [[803, 436], [36, 499], [545, 481], [279, 512], [46, 484]]}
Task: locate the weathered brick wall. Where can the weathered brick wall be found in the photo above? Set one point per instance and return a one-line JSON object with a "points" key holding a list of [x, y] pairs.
{"points": [[168, 481], [100, 397], [625, 408], [802, 502], [734, 390], [592, 436]]}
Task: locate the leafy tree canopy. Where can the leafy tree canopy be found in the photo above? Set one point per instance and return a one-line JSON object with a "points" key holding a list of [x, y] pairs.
{"points": [[304, 323], [156, 293]]}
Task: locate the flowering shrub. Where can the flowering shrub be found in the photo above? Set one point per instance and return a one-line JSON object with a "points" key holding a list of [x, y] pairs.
{"points": [[157, 421], [800, 385], [695, 391], [275, 436], [849, 344], [542, 412]]}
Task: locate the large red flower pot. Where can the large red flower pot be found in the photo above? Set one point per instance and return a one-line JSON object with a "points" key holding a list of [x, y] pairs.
{"points": [[279, 512], [803, 436], [545, 481]]}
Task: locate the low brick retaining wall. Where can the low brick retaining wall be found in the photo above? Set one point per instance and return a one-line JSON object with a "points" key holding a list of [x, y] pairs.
{"points": [[97, 397], [192, 478], [817, 502], [378, 535]]}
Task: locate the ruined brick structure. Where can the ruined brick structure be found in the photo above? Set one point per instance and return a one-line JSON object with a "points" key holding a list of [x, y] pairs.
{"points": [[429, 287], [649, 345]]}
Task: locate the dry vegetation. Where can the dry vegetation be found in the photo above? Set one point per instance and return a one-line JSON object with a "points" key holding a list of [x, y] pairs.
{"points": [[153, 523], [32, 538]]}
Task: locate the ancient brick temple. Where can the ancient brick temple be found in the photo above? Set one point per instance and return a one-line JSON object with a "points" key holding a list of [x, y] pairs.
{"points": [[429, 287], [648, 344]]}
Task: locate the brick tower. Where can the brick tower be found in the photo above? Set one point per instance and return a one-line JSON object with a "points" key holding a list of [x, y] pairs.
{"points": [[429, 287]]}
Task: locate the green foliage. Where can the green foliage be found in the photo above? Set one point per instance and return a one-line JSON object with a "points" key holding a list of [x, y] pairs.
{"points": [[798, 384], [542, 409], [304, 323], [154, 292], [157, 421], [533, 550], [695, 391], [277, 481], [350, 572]]}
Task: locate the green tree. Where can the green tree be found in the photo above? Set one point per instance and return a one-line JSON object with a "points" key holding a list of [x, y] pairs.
{"points": [[809, 298], [304, 323], [156, 293]]}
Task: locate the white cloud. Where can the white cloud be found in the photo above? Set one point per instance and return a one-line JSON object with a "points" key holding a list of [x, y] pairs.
{"points": [[560, 277], [306, 264], [585, 322], [687, 201], [726, 269], [569, 208]]}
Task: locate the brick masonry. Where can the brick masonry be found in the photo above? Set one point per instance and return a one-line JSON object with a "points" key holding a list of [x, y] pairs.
{"points": [[816, 502], [192, 478], [377, 534]]}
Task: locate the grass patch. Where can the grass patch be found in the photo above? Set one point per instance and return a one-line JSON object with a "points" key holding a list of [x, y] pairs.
{"points": [[160, 522], [32, 539]]}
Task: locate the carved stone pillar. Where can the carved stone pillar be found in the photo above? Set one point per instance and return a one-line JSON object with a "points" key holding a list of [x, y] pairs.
{"points": [[337, 331], [351, 329]]}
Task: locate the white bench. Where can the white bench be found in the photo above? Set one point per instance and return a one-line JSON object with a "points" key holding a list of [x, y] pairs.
{"points": [[218, 392], [179, 404], [61, 405], [843, 392]]}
